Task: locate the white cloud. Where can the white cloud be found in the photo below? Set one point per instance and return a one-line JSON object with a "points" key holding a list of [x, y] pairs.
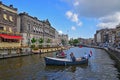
{"points": [[73, 17], [94, 8], [69, 14], [109, 21], [79, 24], [60, 32], [73, 28], [76, 3]]}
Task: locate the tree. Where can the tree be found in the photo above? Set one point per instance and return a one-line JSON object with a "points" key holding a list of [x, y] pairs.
{"points": [[41, 40], [48, 41], [33, 40], [75, 41], [71, 42], [63, 42]]}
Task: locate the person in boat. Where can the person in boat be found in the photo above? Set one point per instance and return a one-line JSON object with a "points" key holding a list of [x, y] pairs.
{"points": [[62, 53], [74, 58], [58, 52], [85, 56]]}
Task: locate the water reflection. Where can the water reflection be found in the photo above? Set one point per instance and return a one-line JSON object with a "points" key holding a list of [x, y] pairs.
{"points": [[66, 68], [100, 67]]}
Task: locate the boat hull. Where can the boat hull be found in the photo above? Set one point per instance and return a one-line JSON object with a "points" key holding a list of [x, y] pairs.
{"points": [[63, 62]]}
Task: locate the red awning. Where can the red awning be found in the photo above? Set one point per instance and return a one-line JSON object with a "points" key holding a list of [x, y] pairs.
{"points": [[10, 36]]}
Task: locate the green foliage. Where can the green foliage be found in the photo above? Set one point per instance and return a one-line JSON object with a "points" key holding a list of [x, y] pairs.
{"points": [[40, 46], [74, 42], [48, 40], [32, 46], [71, 42], [41, 40], [63, 42], [33, 40]]}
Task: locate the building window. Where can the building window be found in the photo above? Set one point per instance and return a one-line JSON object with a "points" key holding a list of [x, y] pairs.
{"points": [[11, 18], [119, 34], [4, 28], [10, 29], [1, 28], [5, 16]]}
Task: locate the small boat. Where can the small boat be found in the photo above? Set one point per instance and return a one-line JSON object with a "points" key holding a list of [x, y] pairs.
{"points": [[61, 56], [36, 51], [63, 62]]}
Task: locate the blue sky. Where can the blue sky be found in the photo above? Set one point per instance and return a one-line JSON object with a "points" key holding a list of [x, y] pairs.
{"points": [[77, 18]]}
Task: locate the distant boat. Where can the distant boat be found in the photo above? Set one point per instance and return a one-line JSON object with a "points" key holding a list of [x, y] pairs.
{"points": [[36, 51], [80, 46], [63, 62]]}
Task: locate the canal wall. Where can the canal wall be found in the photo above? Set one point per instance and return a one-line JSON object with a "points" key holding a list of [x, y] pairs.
{"points": [[27, 51], [114, 54]]}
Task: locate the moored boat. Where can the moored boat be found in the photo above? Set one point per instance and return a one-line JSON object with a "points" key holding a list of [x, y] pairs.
{"points": [[63, 62], [36, 51]]}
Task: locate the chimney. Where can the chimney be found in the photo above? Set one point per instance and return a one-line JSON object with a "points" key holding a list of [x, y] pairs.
{"points": [[11, 6], [0, 2]]}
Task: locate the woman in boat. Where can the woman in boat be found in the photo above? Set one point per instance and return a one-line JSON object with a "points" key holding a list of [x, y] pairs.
{"points": [[62, 53], [74, 58]]}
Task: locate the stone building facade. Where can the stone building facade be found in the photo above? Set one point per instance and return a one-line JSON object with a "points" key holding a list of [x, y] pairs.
{"points": [[48, 31], [32, 27], [106, 36], [10, 38], [8, 18], [63, 39], [23, 27], [117, 40]]}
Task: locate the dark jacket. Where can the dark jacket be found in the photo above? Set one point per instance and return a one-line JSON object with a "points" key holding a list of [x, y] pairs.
{"points": [[73, 58]]}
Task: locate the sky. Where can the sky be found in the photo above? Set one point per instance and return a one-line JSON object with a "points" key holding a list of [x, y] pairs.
{"points": [[77, 18]]}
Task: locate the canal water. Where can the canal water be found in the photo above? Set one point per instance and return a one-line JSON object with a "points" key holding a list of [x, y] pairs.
{"points": [[32, 67]]}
